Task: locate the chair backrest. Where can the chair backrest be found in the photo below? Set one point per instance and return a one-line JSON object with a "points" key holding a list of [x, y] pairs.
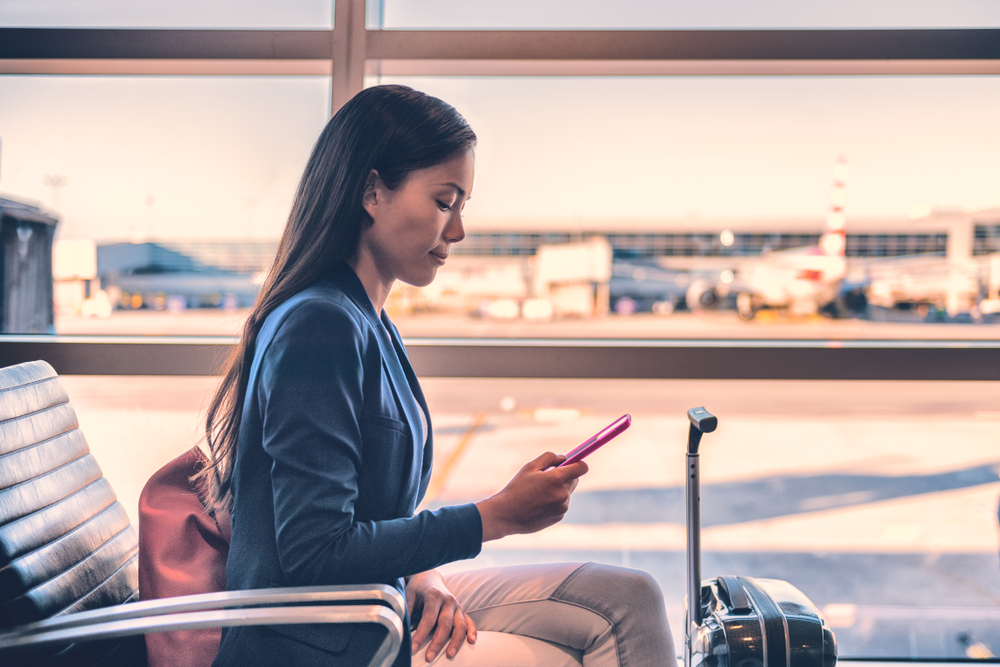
{"points": [[66, 544]]}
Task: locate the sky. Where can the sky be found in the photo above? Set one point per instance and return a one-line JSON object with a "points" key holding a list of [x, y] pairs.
{"points": [[186, 157], [219, 157]]}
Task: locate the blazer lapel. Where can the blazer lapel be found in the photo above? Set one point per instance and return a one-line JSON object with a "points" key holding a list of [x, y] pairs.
{"points": [[418, 394], [393, 364], [394, 369]]}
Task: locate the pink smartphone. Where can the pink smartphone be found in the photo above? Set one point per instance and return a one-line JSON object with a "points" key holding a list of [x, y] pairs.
{"points": [[597, 440]]}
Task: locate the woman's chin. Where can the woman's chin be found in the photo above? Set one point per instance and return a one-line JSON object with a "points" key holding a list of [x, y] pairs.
{"points": [[422, 279]]}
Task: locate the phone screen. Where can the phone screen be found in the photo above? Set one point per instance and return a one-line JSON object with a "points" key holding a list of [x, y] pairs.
{"points": [[594, 443]]}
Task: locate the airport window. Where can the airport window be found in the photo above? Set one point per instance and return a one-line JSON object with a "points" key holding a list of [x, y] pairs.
{"points": [[668, 244], [169, 216], [690, 187], [691, 205], [895, 245], [987, 239]]}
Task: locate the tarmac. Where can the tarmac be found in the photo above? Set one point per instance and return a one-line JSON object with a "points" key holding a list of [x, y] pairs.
{"points": [[883, 325]]}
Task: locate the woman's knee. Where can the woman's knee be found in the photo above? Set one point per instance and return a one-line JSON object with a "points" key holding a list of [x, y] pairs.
{"points": [[634, 589], [635, 585]]}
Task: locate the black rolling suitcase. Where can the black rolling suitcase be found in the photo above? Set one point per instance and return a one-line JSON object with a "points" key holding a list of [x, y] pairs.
{"points": [[743, 621]]}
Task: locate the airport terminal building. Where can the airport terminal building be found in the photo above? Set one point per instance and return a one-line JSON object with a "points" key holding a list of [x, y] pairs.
{"points": [[216, 273], [978, 233]]}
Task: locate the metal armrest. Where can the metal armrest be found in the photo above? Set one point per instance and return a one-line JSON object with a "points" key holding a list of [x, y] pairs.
{"points": [[316, 604], [379, 593]]}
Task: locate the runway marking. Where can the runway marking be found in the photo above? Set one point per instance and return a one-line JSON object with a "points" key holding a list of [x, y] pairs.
{"points": [[439, 480]]}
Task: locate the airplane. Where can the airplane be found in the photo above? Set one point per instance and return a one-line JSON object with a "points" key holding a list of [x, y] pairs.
{"points": [[643, 285], [803, 280], [958, 285]]}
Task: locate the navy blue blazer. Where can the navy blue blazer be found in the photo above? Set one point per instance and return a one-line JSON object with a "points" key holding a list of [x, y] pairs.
{"points": [[330, 466]]}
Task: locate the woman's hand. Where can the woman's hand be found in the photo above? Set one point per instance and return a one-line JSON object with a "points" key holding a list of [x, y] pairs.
{"points": [[440, 613], [536, 498]]}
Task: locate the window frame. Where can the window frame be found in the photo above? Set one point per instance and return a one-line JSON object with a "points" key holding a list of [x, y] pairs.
{"points": [[552, 358], [351, 50]]}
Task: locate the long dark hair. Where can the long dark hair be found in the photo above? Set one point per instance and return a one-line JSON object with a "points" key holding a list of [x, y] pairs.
{"points": [[391, 129]]}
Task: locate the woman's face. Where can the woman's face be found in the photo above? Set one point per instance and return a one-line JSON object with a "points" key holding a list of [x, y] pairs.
{"points": [[415, 225]]}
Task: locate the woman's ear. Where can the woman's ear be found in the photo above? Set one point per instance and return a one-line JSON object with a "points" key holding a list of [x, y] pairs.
{"points": [[373, 186]]}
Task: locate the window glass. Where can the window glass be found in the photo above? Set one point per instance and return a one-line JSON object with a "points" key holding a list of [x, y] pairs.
{"points": [[715, 14], [171, 192], [710, 207], [604, 207], [877, 499], [233, 14]]}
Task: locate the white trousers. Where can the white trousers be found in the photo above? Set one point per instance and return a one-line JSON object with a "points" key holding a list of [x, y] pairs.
{"points": [[561, 615]]}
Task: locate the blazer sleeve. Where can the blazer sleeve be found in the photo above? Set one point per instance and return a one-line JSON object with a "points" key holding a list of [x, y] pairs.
{"points": [[310, 391]]}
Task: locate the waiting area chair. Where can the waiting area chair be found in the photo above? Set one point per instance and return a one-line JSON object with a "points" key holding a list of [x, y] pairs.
{"points": [[68, 554]]}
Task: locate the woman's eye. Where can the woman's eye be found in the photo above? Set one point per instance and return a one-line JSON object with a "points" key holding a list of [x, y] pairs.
{"points": [[443, 206]]}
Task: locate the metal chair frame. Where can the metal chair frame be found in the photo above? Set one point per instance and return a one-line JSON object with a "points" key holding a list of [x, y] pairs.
{"points": [[274, 606]]}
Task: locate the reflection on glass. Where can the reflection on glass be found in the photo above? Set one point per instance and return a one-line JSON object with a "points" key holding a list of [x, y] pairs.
{"points": [[878, 500]]}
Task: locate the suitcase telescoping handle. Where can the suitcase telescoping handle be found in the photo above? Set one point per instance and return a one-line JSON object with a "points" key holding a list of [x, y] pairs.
{"points": [[701, 422]]}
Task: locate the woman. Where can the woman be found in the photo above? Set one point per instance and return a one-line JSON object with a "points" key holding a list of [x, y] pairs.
{"points": [[321, 442]]}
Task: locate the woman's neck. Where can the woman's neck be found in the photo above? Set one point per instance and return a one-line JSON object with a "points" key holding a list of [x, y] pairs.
{"points": [[376, 285]]}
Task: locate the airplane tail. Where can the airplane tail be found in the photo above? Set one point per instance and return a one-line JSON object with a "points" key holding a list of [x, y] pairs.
{"points": [[834, 239]]}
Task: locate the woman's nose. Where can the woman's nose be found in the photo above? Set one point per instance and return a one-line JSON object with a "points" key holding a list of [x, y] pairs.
{"points": [[455, 231]]}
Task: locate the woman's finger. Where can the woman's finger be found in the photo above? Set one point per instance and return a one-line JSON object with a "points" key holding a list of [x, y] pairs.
{"points": [[421, 632], [458, 633], [573, 470], [445, 622], [430, 610], [544, 461], [472, 634]]}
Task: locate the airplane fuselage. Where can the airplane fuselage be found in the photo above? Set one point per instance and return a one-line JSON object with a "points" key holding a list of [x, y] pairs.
{"points": [[802, 280]]}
